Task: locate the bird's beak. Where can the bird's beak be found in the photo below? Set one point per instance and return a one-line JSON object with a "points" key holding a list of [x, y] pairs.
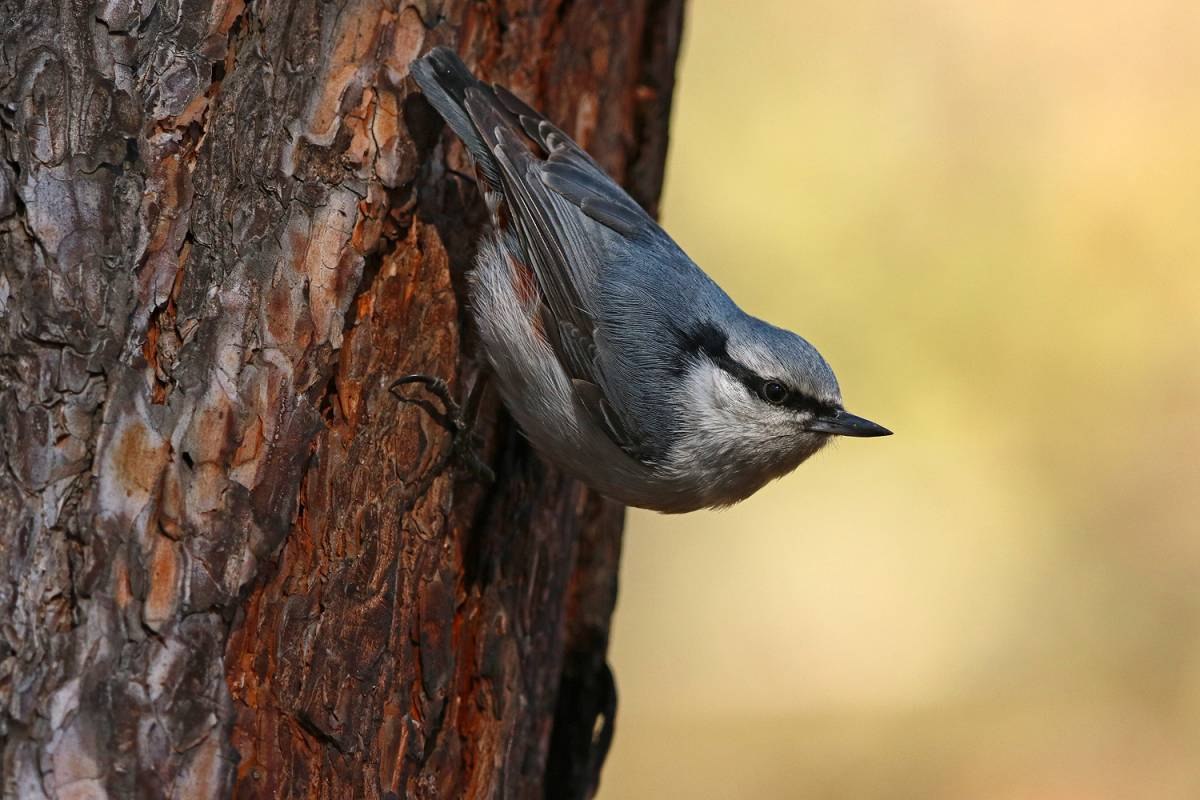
{"points": [[843, 423]]}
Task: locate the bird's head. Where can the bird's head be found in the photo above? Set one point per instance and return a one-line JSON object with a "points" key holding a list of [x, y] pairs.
{"points": [[763, 398]]}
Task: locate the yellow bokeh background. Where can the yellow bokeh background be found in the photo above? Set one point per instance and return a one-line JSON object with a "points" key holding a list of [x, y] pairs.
{"points": [[987, 217]]}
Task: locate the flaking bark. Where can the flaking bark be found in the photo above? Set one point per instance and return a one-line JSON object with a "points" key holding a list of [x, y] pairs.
{"points": [[225, 564]]}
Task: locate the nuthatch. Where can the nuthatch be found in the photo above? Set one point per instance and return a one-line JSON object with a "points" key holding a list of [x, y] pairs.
{"points": [[624, 364]]}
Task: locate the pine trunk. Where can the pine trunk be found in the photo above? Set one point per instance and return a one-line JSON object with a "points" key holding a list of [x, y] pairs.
{"points": [[231, 562]]}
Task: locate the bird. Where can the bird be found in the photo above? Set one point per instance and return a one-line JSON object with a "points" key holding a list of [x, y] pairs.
{"points": [[622, 361]]}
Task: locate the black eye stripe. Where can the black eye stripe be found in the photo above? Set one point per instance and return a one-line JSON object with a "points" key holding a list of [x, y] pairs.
{"points": [[710, 342], [793, 400]]}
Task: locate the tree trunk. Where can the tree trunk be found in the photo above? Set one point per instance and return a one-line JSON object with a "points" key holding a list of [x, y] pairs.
{"points": [[230, 562]]}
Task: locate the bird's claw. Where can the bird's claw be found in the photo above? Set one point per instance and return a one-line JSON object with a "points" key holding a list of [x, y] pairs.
{"points": [[465, 443]]}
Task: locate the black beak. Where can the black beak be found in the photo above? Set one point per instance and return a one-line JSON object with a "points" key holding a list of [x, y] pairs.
{"points": [[843, 423]]}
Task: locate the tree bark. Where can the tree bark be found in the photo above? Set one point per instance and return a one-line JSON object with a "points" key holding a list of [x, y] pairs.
{"points": [[229, 560]]}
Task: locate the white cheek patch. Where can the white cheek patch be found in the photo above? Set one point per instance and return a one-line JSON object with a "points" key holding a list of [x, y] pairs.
{"points": [[712, 389], [725, 391], [721, 404]]}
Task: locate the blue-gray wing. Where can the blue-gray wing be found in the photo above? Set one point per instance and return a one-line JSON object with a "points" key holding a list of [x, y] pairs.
{"points": [[572, 220]]}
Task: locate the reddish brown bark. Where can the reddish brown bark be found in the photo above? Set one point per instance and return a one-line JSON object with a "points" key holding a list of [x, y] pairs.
{"points": [[228, 563]]}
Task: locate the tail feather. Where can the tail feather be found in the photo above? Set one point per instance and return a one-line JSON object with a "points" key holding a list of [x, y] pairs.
{"points": [[446, 81]]}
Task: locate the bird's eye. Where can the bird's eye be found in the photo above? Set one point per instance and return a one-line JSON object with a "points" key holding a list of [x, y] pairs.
{"points": [[774, 392]]}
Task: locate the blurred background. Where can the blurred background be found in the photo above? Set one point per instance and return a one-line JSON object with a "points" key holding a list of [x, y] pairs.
{"points": [[985, 215]]}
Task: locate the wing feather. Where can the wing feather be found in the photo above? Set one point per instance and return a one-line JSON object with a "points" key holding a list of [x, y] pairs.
{"points": [[567, 212]]}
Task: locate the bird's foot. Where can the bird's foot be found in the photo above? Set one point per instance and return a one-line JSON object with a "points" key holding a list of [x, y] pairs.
{"points": [[465, 442]]}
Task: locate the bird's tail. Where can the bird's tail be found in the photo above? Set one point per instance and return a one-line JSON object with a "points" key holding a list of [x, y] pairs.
{"points": [[447, 83]]}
